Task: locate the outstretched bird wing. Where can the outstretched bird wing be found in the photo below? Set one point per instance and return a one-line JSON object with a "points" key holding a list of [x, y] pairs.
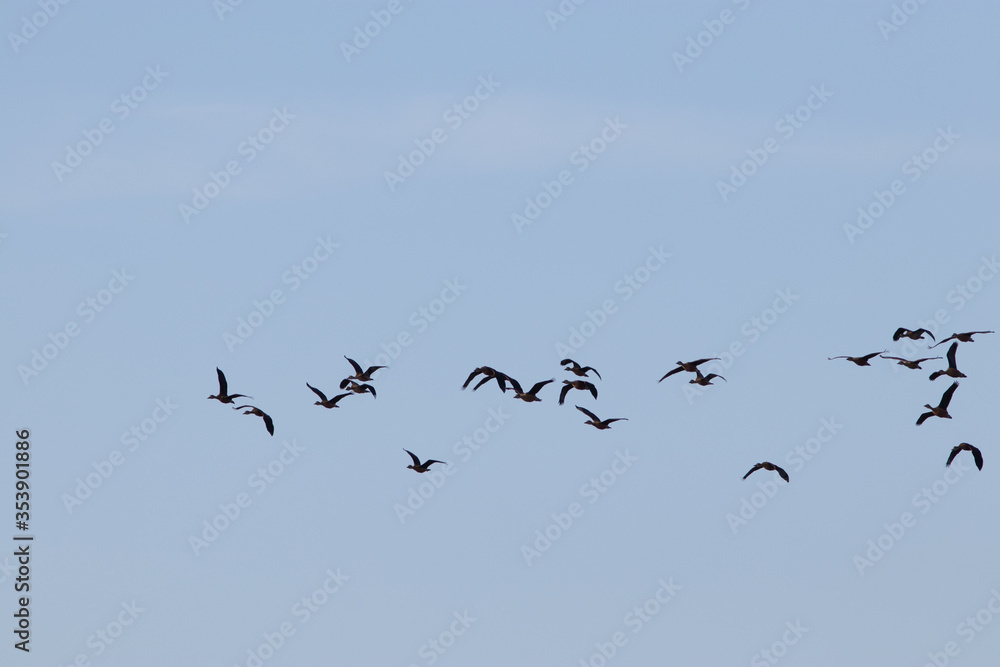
{"points": [[946, 397], [472, 375], [413, 456], [942, 342], [954, 452], [951, 355], [316, 391], [357, 368], [223, 386], [978, 456], [481, 382], [588, 413], [539, 385], [669, 373], [565, 390]]}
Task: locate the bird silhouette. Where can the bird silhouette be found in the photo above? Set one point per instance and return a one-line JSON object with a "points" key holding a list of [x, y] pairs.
{"points": [[417, 465], [976, 454], [914, 364], [860, 361], [323, 400], [359, 375], [268, 424], [952, 371], [599, 424], [767, 465], [902, 332], [963, 337], [358, 388], [489, 374], [531, 395], [223, 396], [576, 384], [942, 408], [689, 366], [705, 380], [577, 369]]}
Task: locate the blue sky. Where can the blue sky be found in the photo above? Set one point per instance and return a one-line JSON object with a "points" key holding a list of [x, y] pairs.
{"points": [[264, 188]]}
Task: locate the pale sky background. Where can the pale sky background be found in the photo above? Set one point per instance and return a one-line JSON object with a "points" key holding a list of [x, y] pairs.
{"points": [[669, 519]]}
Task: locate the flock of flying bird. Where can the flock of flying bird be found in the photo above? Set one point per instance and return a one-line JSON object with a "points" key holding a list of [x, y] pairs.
{"points": [[355, 384], [941, 409], [358, 384]]}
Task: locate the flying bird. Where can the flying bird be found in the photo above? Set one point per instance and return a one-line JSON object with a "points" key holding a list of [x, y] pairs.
{"points": [[531, 395], [598, 423], [323, 400], [767, 465], [489, 374], [705, 380], [260, 413], [358, 388], [914, 364], [976, 454], [942, 409], [903, 332], [952, 371], [359, 375], [963, 337], [576, 384], [860, 361], [224, 397], [577, 369], [417, 465], [689, 366]]}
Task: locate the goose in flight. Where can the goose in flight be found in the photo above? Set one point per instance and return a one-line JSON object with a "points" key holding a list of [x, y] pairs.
{"points": [[914, 364], [767, 465], [963, 337], [223, 396], [976, 454], [359, 375], [942, 408], [260, 413], [860, 361], [689, 366], [577, 369], [489, 374], [323, 400], [529, 396], [705, 380], [358, 388], [598, 423], [576, 384], [952, 371], [417, 465], [903, 332]]}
